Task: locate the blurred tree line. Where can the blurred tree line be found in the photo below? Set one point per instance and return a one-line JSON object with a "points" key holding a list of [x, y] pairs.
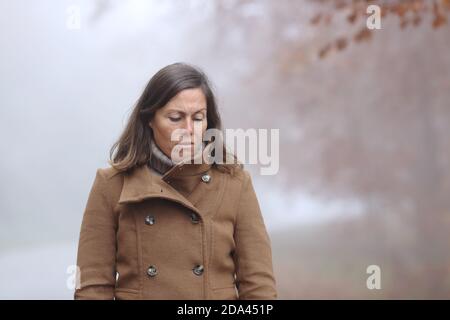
{"points": [[373, 123]]}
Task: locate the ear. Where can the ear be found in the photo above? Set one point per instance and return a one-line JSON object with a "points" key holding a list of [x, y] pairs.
{"points": [[150, 124]]}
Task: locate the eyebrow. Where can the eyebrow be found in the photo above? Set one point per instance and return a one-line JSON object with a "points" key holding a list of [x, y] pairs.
{"points": [[182, 112]]}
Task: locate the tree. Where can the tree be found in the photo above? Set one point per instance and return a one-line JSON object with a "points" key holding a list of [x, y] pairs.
{"points": [[409, 13]]}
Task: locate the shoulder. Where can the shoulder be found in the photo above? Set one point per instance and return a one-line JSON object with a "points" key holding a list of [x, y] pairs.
{"points": [[110, 181], [108, 173], [238, 177]]}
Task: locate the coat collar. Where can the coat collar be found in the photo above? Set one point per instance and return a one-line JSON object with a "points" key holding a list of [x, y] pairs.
{"points": [[177, 184]]}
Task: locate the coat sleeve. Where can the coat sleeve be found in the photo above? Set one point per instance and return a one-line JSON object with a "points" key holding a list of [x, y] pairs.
{"points": [[253, 254], [97, 245]]}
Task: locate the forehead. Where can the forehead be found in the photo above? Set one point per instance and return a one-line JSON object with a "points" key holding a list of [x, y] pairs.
{"points": [[191, 100]]}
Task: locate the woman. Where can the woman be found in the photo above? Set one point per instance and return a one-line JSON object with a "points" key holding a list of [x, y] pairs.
{"points": [[155, 228]]}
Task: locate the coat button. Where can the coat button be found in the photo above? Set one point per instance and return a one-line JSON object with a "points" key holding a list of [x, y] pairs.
{"points": [[206, 178], [152, 271], [150, 220], [194, 218], [198, 270]]}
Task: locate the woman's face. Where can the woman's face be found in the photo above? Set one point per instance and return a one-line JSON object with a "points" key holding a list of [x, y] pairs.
{"points": [[184, 111]]}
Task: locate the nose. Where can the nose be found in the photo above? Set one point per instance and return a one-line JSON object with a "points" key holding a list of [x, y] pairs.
{"points": [[189, 126]]}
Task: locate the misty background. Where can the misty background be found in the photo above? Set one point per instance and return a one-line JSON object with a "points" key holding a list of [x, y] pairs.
{"points": [[364, 173]]}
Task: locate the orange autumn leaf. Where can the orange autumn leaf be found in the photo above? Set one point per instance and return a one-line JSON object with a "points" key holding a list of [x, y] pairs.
{"points": [[324, 51], [341, 43], [363, 34]]}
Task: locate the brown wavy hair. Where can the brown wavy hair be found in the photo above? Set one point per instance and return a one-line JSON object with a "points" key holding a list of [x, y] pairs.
{"points": [[133, 149]]}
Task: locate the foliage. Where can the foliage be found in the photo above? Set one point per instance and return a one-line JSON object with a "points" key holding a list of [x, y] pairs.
{"points": [[409, 13]]}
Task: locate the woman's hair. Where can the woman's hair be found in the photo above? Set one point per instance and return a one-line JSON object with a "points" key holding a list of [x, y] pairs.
{"points": [[133, 148]]}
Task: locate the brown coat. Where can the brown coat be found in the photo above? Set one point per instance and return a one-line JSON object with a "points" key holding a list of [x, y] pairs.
{"points": [[178, 236]]}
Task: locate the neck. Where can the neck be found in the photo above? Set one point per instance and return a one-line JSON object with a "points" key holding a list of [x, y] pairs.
{"points": [[159, 162]]}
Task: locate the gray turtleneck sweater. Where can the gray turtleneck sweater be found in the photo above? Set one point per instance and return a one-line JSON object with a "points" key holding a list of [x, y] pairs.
{"points": [[159, 162]]}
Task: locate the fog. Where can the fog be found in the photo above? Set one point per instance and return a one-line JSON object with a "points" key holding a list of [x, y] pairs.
{"points": [[353, 147]]}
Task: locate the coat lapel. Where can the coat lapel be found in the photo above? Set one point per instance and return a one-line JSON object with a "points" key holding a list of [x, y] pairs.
{"points": [[182, 184]]}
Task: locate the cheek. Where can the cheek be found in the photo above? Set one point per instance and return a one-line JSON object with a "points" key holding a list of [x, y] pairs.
{"points": [[164, 129], [161, 133], [204, 125], [167, 131]]}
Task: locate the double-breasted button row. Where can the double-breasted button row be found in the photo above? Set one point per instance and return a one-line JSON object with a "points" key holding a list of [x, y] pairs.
{"points": [[206, 178], [198, 270], [153, 271], [150, 220], [195, 218]]}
